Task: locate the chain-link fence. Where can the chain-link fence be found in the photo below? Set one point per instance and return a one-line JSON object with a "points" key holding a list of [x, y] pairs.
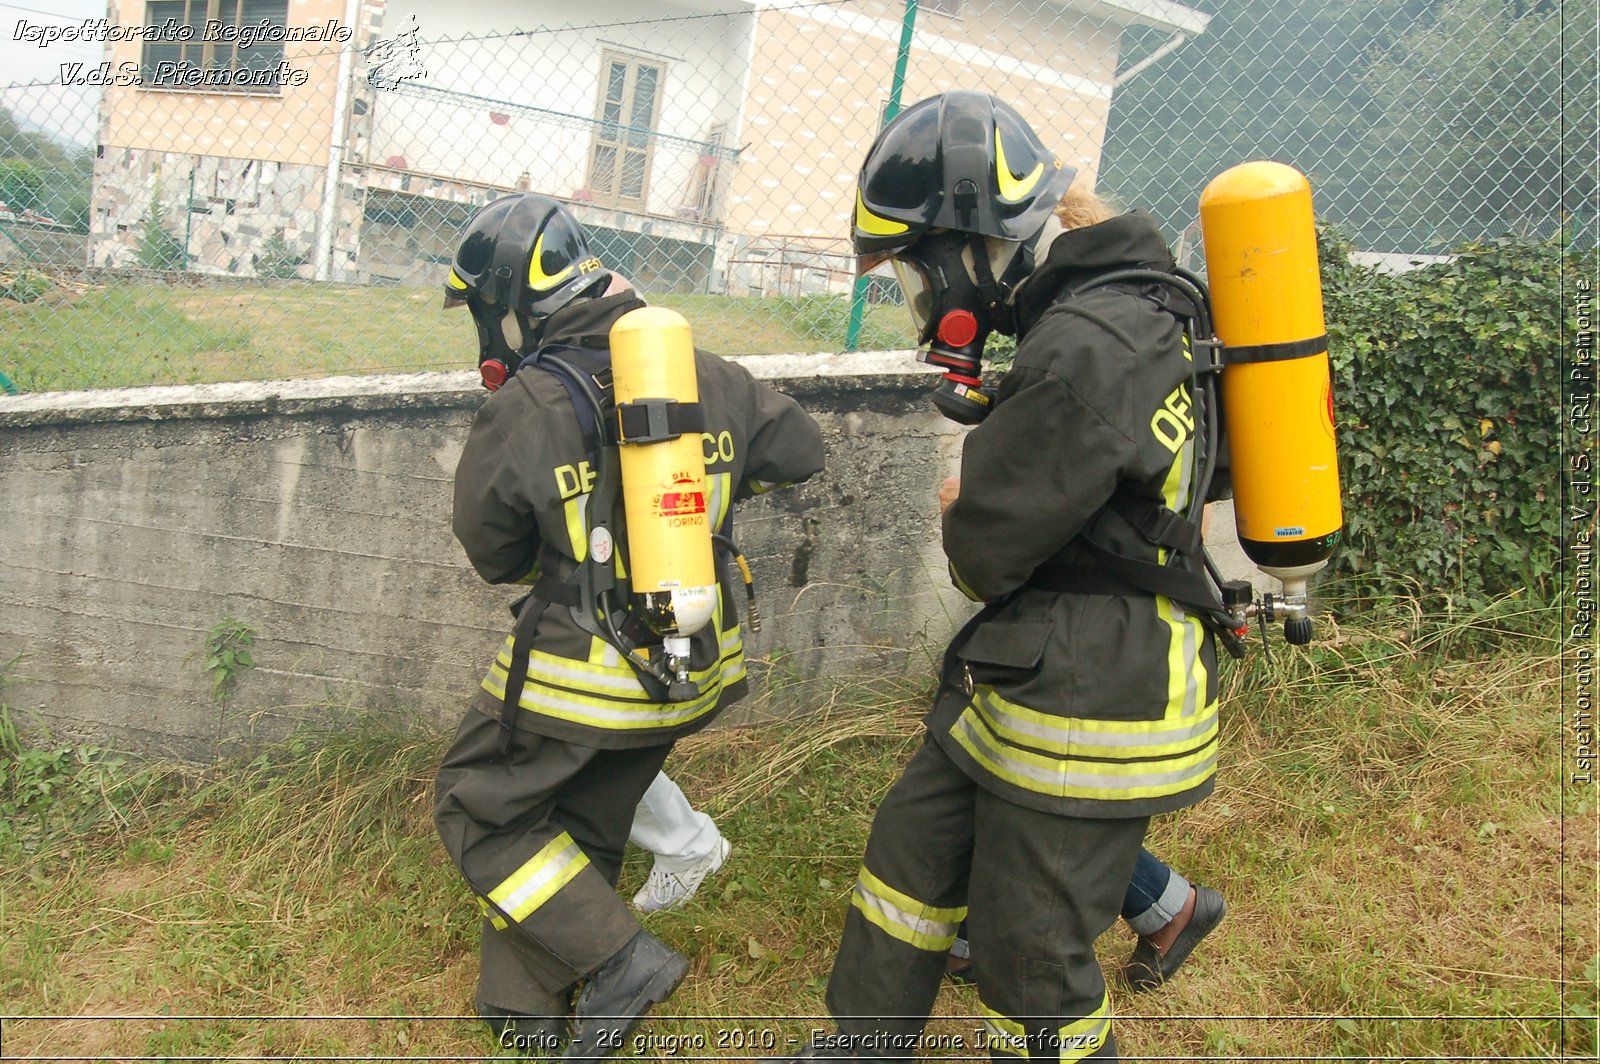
{"points": [[245, 189]]}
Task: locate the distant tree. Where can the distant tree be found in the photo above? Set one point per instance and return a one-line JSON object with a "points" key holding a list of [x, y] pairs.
{"points": [[64, 172], [1351, 92], [159, 248], [21, 185], [1472, 122], [278, 258]]}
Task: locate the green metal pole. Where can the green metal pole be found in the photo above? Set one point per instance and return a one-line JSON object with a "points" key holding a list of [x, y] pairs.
{"points": [[858, 299], [188, 220]]}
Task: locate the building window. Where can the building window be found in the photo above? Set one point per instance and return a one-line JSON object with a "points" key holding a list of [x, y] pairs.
{"points": [[214, 45], [630, 102]]}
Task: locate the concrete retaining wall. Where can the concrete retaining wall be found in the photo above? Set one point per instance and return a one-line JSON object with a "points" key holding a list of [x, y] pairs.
{"points": [[318, 513]]}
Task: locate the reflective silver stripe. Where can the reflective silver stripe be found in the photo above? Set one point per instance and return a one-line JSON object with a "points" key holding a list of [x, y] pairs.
{"points": [[1075, 1041], [642, 716], [1183, 660], [1005, 1034], [542, 666], [1073, 732], [1076, 778], [1078, 1045], [537, 881], [903, 917], [719, 497], [602, 713]]}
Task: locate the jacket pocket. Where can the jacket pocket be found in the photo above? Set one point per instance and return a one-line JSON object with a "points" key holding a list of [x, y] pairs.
{"points": [[1004, 648]]}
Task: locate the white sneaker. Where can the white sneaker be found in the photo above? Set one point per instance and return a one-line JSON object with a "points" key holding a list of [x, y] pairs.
{"points": [[664, 890]]}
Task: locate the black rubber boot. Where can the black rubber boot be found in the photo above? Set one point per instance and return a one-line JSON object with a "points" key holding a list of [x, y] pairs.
{"points": [[617, 994]]}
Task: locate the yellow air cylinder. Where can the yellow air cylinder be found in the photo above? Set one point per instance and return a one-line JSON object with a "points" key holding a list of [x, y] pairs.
{"points": [[663, 473], [1277, 396]]}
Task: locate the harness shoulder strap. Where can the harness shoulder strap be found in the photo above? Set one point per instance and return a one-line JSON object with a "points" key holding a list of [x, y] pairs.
{"points": [[585, 373], [1189, 578]]}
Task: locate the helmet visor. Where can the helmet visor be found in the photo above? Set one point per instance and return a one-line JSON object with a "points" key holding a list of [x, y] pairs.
{"points": [[918, 289], [865, 264]]}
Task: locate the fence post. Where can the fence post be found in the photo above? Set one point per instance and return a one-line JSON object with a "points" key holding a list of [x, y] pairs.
{"points": [[188, 218], [327, 213], [858, 297]]}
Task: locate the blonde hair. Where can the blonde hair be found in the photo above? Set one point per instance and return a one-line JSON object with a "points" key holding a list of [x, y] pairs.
{"points": [[1080, 207]]}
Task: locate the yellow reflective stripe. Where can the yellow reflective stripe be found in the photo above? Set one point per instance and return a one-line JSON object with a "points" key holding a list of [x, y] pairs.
{"points": [[617, 717], [538, 280], [454, 280], [618, 713], [603, 674], [494, 918], [1071, 778], [871, 223], [605, 692], [720, 497], [903, 917], [537, 881], [611, 678], [576, 510], [1083, 1037], [1186, 673], [1012, 190], [1077, 1040], [1086, 737], [1175, 488], [1005, 1034], [538, 695], [961, 585]]}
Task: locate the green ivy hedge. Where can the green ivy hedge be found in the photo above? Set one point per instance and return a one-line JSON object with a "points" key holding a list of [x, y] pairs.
{"points": [[1448, 395]]}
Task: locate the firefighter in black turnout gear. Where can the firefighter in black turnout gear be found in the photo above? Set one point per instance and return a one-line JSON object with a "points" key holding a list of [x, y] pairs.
{"points": [[1077, 703], [536, 794]]}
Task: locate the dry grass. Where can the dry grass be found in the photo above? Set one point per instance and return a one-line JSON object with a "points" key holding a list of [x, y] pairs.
{"points": [[1406, 874]]}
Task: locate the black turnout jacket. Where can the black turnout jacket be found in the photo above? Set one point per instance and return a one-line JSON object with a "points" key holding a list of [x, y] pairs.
{"points": [[1086, 704], [521, 490]]}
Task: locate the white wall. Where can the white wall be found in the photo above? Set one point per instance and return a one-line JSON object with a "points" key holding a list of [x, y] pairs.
{"points": [[555, 67]]}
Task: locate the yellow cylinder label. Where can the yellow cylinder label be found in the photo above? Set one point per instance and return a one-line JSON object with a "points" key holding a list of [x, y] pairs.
{"points": [[664, 492]]}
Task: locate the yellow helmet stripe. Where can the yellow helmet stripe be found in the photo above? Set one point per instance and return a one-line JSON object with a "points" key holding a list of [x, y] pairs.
{"points": [[875, 225], [1011, 189], [454, 281], [538, 280]]}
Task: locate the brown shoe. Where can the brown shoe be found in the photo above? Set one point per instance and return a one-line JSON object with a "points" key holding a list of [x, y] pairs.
{"points": [[1147, 968]]}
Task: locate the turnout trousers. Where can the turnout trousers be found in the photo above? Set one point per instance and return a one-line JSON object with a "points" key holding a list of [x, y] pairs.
{"points": [[1037, 890], [538, 834]]}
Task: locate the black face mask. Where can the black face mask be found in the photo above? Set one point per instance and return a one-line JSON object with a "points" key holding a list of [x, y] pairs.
{"points": [[956, 302], [497, 360]]}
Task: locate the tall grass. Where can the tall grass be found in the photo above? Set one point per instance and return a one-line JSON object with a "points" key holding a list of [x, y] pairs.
{"points": [[1405, 878]]}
